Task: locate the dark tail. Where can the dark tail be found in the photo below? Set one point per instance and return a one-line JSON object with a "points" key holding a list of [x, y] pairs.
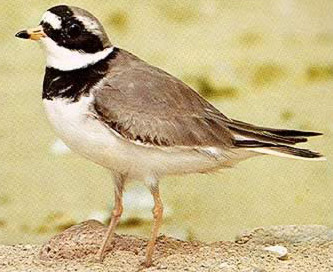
{"points": [[284, 136], [273, 141], [279, 150]]}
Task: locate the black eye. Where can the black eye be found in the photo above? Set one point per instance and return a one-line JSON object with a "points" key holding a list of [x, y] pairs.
{"points": [[74, 30]]}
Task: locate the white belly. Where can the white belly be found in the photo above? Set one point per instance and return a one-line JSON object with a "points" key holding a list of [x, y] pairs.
{"points": [[84, 134], [76, 126]]}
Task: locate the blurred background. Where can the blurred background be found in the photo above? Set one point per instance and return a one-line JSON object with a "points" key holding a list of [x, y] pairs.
{"points": [[268, 62]]}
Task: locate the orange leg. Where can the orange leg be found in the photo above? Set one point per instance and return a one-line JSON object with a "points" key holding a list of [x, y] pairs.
{"points": [[116, 213], [158, 213]]}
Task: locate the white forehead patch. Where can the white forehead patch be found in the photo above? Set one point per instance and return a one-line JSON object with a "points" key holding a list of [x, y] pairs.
{"points": [[52, 19], [90, 25]]}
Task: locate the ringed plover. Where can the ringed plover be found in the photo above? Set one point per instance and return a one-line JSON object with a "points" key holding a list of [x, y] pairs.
{"points": [[135, 119]]}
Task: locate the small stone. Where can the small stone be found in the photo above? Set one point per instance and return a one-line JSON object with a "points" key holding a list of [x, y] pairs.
{"points": [[280, 251]]}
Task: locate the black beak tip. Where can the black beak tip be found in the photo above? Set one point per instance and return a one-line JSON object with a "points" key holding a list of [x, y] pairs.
{"points": [[22, 34]]}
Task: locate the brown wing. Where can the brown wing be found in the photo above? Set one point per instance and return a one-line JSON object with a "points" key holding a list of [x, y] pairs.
{"points": [[143, 103]]}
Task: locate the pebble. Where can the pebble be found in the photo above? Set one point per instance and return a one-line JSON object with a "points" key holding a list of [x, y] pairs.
{"points": [[280, 251]]}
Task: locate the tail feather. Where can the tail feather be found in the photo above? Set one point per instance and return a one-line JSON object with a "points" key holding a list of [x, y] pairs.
{"points": [[265, 136], [272, 141], [297, 152], [293, 135], [279, 150]]}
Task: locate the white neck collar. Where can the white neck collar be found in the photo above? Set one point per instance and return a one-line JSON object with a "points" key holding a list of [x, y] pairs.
{"points": [[64, 59]]}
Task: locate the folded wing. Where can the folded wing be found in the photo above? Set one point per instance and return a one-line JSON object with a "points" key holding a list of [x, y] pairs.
{"points": [[147, 105]]}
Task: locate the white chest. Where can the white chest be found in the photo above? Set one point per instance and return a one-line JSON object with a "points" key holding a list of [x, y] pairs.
{"points": [[75, 125]]}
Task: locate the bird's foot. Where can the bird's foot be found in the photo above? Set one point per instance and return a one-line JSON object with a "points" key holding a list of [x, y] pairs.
{"points": [[99, 256], [146, 263]]}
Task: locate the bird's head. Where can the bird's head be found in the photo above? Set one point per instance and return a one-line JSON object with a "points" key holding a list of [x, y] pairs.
{"points": [[72, 36]]}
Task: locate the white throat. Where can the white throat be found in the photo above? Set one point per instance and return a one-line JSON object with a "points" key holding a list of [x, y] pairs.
{"points": [[64, 59]]}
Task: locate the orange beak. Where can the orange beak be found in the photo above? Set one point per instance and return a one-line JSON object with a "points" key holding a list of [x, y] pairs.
{"points": [[34, 34]]}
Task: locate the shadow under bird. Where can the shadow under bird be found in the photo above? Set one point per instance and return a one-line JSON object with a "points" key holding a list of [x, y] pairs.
{"points": [[136, 120]]}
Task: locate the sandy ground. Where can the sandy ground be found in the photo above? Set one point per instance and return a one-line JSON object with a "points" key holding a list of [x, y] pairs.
{"points": [[309, 248]]}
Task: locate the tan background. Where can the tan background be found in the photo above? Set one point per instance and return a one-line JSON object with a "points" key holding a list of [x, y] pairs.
{"points": [[265, 62]]}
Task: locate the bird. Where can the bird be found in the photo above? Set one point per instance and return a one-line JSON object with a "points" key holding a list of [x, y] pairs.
{"points": [[135, 119]]}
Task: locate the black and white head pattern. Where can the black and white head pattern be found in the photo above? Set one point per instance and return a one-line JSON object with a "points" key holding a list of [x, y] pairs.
{"points": [[74, 38]]}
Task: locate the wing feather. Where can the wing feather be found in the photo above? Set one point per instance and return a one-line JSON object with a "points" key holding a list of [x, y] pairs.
{"points": [[143, 103]]}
